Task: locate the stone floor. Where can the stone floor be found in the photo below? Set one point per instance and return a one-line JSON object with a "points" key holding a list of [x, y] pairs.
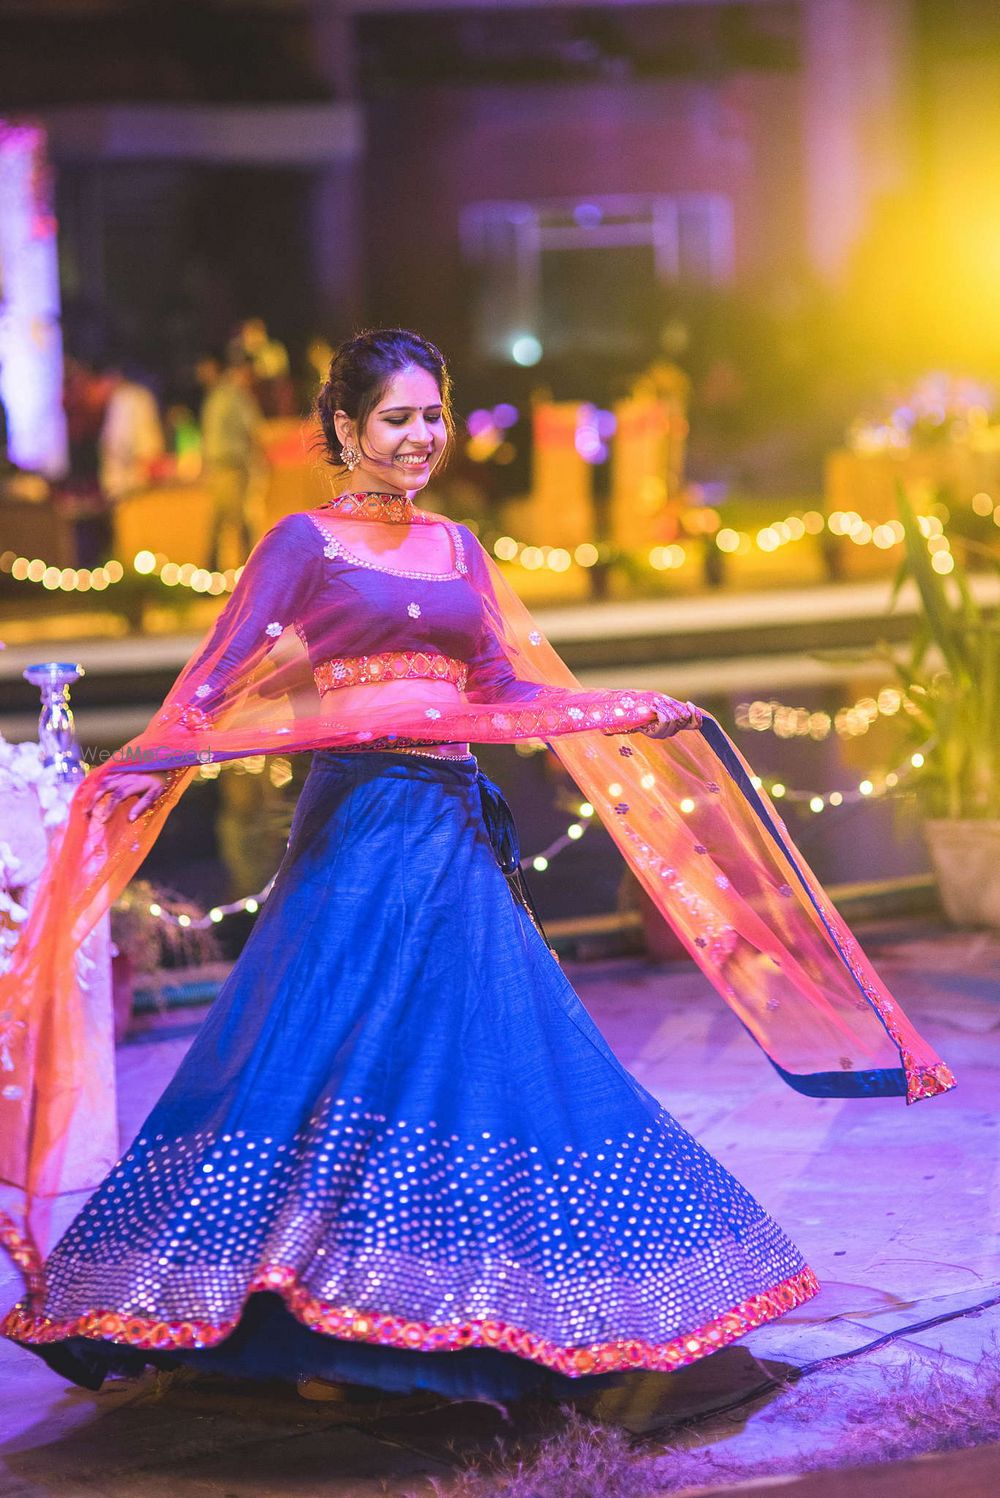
{"points": [[896, 1208]]}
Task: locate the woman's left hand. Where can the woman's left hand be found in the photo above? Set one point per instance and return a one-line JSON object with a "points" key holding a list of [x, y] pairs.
{"points": [[671, 717]]}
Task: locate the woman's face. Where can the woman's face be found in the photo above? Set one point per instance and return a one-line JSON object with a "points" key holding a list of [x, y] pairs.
{"points": [[404, 437]]}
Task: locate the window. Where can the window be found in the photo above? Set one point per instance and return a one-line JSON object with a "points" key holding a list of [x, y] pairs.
{"points": [[580, 275]]}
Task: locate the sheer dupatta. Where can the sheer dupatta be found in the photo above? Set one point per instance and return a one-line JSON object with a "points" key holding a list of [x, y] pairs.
{"points": [[724, 873]]}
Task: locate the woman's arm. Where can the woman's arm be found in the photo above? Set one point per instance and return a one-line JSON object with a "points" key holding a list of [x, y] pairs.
{"points": [[282, 573]]}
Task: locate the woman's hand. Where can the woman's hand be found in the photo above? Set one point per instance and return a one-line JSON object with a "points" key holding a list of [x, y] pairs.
{"points": [[119, 787], [671, 717]]}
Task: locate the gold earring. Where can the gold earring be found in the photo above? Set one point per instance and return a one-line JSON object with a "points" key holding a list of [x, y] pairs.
{"points": [[350, 456]]}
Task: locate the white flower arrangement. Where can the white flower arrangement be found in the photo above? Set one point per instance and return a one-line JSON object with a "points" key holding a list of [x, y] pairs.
{"points": [[42, 800]]}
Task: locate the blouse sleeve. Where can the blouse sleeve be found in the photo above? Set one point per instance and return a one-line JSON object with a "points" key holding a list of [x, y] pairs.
{"points": [[282, 573]]}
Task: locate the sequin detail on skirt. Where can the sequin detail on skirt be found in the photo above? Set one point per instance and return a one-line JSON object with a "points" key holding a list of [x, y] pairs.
{"points": [[411, 1132]]}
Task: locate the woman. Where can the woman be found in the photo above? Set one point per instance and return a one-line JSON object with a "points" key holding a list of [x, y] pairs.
{"points": [[399, 1152]]}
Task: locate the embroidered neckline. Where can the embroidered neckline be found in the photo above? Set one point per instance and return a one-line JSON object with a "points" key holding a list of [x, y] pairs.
{"points": [[334, 548], [397, 509]]}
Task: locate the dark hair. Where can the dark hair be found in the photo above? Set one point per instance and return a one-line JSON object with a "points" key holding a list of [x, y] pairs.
{"points": [[361, 369]]}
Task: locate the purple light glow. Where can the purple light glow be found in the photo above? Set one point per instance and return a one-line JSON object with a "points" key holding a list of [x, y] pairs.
{"points": [[30, 336], [479, 422]]}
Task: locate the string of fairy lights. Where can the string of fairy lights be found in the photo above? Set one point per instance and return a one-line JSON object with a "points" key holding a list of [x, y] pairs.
{"points": [[697, 523], [894, 782], [781, 719]]}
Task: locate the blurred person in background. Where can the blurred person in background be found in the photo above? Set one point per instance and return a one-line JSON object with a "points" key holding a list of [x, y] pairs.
{"points": [[230, 429], [131, 438], [272, 381]]}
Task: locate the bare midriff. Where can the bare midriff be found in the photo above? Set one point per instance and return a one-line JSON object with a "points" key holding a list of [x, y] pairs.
{"points": [[398, 694]]}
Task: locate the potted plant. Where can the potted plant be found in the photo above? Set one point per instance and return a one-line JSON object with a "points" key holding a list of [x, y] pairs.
{"points": [[952, 697]]}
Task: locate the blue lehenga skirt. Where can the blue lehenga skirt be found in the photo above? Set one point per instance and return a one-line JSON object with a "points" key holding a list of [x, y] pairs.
{"points": [[400, 1152]]}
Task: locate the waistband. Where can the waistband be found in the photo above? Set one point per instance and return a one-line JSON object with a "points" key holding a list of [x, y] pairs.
{"points": [[463, 759], [389, 665]]}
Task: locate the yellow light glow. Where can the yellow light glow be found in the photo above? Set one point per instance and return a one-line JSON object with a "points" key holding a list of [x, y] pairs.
{"points": [[215, 915], [687, 806], [777, 790], [251, 907], [559, 559], [614, 789], [943, 562], [585, 809], [144, 562], [505, 548], [866, 787], [586, 554], [816, 803], [540, 863], [574, 830], [982, 503], [532, 557], [836, 799], [727, 540], [114, 571], [917, 761]]}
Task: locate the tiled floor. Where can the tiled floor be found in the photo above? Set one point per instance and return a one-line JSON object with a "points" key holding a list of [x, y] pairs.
{"points": [[896, 1208]]}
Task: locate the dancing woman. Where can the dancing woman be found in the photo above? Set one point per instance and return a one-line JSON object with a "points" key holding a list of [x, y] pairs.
{"points": [[399, 1151]]}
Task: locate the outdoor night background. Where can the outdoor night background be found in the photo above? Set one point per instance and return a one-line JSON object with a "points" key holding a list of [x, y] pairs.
{"points": [[713, 278]]}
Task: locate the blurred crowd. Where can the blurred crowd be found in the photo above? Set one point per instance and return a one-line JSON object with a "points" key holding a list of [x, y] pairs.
{"points": [[124, 436]]}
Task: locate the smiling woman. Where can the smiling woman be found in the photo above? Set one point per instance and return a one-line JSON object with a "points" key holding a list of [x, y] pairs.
{"points": [[385, 410], [399, 1151]]}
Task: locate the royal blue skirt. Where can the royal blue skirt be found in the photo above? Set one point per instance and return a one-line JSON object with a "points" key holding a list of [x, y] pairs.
{"points": [[400, 1152]]}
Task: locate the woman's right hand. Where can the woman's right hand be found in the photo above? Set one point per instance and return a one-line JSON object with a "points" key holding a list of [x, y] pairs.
{"points": [[671, 717], [121, 786]]}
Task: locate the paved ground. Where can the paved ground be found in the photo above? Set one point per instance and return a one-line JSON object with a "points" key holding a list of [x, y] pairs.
{"points": [[895, 1207]]}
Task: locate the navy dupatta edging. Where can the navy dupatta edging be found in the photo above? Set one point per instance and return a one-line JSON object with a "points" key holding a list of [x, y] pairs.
{"points": [[874, 1082]]}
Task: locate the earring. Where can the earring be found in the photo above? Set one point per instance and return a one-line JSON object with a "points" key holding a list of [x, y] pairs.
{"points": [[350, 456]]}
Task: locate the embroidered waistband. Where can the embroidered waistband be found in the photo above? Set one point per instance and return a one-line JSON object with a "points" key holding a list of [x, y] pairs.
{"points": [[391, 665]]}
